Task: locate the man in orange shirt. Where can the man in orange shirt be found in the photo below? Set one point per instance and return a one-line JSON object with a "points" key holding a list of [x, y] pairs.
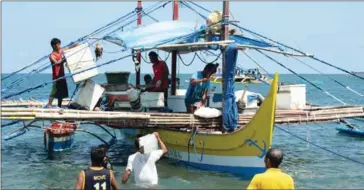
{"points": [[273, 178]]}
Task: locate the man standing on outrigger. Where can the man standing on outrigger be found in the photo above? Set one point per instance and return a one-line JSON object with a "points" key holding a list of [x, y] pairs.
{"points": [[59, 88]]}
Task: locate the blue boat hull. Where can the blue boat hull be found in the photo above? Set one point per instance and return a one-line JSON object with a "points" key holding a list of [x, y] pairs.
{"points": [[353, 132]]}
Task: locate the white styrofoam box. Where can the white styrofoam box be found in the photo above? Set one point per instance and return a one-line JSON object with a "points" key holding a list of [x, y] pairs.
{"points": [[149, 143], [148, 99], [152, 99], [88, 94], [177, 103], [80, 58], [292, 97]]}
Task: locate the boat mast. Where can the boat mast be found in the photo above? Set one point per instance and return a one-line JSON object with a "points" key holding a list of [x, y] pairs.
{"points": [[174, 53], [138, 55], [224, 36]]}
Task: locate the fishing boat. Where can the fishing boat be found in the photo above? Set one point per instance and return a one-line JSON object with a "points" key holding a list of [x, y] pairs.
{"points": [[243, 76], [231, 142], [59, 136]]}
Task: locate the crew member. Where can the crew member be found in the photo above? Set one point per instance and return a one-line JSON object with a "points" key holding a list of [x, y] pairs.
{"points": [[96, 176], [160, 80], [273, 178], [59, 88], [196, 94], [143, 165]]}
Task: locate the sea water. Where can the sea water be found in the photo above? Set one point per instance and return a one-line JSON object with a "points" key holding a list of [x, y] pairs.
{"points": [[25, 164]]}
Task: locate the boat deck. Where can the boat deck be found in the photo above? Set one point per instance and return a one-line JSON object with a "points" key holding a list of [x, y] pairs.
{"points": [[29, 110]]}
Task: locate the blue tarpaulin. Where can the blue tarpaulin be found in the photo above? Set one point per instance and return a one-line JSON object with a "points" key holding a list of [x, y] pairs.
{"points": [[230, 114]]}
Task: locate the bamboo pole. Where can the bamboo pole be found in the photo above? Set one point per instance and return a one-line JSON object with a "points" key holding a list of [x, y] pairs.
{"points": [[242, 47], [176, 46]]}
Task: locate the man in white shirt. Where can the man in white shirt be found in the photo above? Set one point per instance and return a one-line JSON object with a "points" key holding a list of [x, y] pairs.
{"points": [[143, 165]]}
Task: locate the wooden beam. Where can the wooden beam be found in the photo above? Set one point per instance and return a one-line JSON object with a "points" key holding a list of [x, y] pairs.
{"points": [[174, 53]]}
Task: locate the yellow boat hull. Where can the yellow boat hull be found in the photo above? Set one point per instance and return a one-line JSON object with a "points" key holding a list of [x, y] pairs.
{"points": [[241, 152]]}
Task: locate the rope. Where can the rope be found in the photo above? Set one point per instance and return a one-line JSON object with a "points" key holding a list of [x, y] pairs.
{"points": [[258, 64], [109, 62], [184, 62], [294, 49], [188, 6], [323, 148], [341, 84], [194, 146], [303, 78], [199, 6], [97, 31], [210, 61], [150, 16], [141, 16], [48, 65]]}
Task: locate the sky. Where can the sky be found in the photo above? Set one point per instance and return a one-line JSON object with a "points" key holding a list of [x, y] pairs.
{"points": [[332, 31]]}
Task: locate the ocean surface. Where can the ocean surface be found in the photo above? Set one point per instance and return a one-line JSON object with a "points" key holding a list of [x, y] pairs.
{"points": [[25, 165]]}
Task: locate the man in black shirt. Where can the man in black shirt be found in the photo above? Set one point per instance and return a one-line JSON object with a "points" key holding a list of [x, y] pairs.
{"points": [[96, 177]]}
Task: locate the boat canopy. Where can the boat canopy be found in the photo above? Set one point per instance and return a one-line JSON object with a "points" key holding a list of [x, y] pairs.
{"points": [[176, 32]]}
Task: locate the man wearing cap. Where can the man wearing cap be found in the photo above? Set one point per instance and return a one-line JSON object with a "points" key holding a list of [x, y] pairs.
{"points": [[160, 80], [196, 94]]}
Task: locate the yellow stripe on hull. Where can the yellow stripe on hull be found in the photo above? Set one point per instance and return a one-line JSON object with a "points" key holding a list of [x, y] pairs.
{"points": [[254, 139]]}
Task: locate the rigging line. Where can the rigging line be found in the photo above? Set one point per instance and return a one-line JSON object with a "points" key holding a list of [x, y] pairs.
{"points": [[303, 78], [150, 16], [299, 51], [129, 15], [79, 40], [188, 6], [46, 56], [50, 65], [336, 81], [323, 148], [258, 64], [190, 62], [210, 61], [201, 7], [106, 63], [137, 18]]}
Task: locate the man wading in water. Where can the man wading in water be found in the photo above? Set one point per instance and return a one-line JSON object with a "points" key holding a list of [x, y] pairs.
{"points": [[59, 88], [143, 165], [96, 177], [273, 178]]}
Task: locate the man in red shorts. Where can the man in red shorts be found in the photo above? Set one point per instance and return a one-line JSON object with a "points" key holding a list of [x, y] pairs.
{"points": [[59, 88], [160, 80]]}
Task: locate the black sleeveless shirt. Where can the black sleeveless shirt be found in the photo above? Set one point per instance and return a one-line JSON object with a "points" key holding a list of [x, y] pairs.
{"points": [[97, 179]]}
